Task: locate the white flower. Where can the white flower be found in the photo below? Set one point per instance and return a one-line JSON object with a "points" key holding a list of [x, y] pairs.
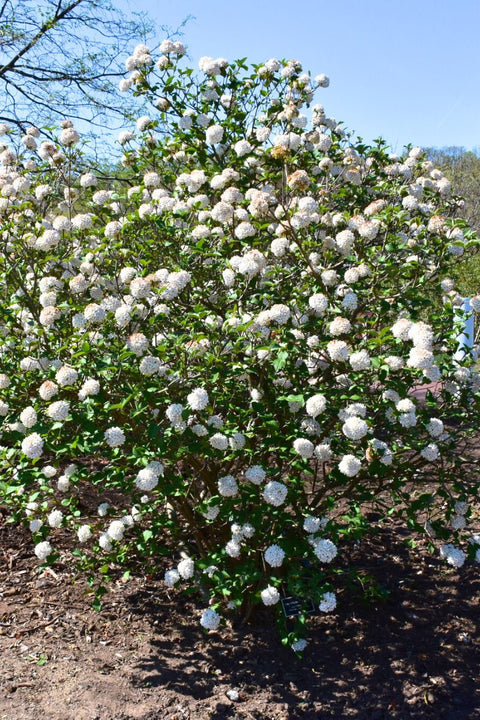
{"points": [[116, 530], [316, 405], [84, 533], [66, 376], [210, 619], [59, 410], [242, 147], [279, 314], [227, 486], [299, 645], [105, 542], [212, 512], [312, 524], [349, 465], [28, 417], [146, 480], [199, 430], [237, 441], [275, 493], [186, 568], [339, 326], [355, 428], [270, 596], [323, 452], [233, 548], [338, 350], [90, 387], [174, 413], [255, 474], [274, 555], [344, 241], [461, 507], [303, 447], [94, 313], [114, 437], [360, 360], [214, 134], [49, 471], [325, 550], [328, 603], [32, 446], [43, 550], [318, 303], [435, 427], [55, 518], [458, 522], [430, 452], [138, 343], [198, 399], [394, 362], [171, 577], [219, 441], [452, 555]]}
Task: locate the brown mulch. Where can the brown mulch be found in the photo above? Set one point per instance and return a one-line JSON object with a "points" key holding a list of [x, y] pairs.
{"points": [[412, 655]]}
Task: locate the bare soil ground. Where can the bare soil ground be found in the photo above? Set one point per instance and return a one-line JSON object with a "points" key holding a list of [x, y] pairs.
{"points": [[144, 657]]}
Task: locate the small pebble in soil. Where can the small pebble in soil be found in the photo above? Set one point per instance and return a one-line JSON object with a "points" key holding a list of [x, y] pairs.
{"points": [[233, 695]]}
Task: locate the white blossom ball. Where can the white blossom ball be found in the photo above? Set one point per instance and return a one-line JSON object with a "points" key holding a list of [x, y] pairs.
{"points": [[316, 405], [32, 446], [233, 548], [186, 568], [214, 134], [58, 411], [55, 518], [219, 441], [43, 550], [274, 555], [328, 603], [116, 530], [458, 522], [28, 417], [303, 447], [323, 452], [255, 474], [325, 550], [90, 387], [360, 360], [275, 493], [210, 619], [430, 452], [339, 326], [114, 437], [349, 465], [355, 428], [270, 595], [84, 533], [198, 399], [452, 555], [318, 303], [435, 427], [237, 441], [227, 486], [171, 577], [338, 350], [312, 524]]}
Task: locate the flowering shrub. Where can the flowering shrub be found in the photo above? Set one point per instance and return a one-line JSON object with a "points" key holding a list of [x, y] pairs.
{"points": [[222, 348]]}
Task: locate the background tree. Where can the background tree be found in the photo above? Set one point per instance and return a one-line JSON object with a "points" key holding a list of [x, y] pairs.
{"points": [[462, 167], [63, 58]]}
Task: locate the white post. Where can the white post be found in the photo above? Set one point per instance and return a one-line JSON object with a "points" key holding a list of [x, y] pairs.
{"points": [[467, 335]]}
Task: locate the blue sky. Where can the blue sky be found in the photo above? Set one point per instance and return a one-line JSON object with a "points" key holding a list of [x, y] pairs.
{"points": [[405, 70]]}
